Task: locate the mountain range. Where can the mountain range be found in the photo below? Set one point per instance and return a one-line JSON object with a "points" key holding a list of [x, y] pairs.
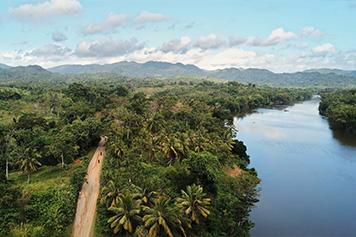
{"points": [[314, 77]]}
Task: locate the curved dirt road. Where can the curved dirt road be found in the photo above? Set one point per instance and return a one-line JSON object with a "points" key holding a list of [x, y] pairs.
{"points": [[86, 205]]}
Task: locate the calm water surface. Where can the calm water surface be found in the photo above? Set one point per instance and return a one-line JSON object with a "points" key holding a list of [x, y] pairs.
{"points": [[308, 172]]}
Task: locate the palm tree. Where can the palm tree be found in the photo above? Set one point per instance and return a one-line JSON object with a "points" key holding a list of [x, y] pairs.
{"points": [[155, 123], [194, 203], [175, 147], [149, 142], [199, 142], [110, 193], [127, 214], [161, 217], [147, 196], [30, 165]]}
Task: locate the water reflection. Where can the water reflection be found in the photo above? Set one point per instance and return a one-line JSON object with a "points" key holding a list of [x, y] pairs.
{"points": [[344, 138], [308, 172]]}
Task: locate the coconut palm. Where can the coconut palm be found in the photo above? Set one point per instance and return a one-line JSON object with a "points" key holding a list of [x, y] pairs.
{"points": [[194, 203], [110, 193], [30, 165], [127, 214], [150, 143], [199, 142], [175, 147], [147, 196], [161, 217]]}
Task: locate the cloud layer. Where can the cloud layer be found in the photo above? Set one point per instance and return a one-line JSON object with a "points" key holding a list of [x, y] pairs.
{"points": [[107, 48], [276, 37], [150, 17], [109, 24], [45, 10]]}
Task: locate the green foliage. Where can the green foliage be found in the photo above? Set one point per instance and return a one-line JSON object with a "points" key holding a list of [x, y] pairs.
{"points": [[340, 108], [194, 203], [126, 211], [52, 208], [9, 209], [7, 93]]}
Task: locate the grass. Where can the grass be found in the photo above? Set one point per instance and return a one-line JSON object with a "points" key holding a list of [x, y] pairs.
{"points": [[47, 176], [10, 109]]}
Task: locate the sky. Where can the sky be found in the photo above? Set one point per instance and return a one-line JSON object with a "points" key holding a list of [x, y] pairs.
{"points": [[279, 35]]}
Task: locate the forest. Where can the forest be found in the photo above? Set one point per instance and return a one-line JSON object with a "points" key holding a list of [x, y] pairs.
{"points": [[173, 165], [340, 109]]}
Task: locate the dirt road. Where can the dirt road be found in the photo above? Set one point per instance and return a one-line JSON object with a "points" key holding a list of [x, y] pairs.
{"points": [[86, 206]]}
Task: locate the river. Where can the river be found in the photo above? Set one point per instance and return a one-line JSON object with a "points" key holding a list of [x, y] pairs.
{"points": [[307, 172]]}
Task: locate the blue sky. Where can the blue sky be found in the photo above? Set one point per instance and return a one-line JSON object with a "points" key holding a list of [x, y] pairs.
{"points": [[273, 34]]}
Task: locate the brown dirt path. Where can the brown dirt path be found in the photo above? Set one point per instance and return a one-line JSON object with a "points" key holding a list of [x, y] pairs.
{"points": [[86, 205]]}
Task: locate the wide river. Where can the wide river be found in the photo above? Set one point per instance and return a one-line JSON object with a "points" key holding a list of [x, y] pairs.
{"points": [[308, 172]]}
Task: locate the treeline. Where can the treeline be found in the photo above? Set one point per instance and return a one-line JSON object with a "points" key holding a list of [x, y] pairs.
{"points": [[340, 108]]}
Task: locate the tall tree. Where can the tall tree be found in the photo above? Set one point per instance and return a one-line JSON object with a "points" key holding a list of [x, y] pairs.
{"points": [[110, 193], [30, 164], [126, 214], [194, 203], [161, 218]]}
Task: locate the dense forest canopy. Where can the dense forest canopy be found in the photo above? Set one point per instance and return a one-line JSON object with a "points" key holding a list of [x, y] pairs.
{"points": [[340, 109], [171, 145]]}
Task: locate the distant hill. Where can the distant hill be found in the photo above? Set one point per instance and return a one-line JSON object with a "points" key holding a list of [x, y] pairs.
{"points": [[152, 69], [297, 79], [313, 77], [335, 71], [133, 69], [32, 73], [4, 66]]}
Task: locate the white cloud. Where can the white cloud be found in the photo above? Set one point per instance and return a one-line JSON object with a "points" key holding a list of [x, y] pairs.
{"points": [[211, 41], [110, 23], [45, 10], [59, 36], [324, 49], [177, 45], [107, 48], [150, 17], [310, 31], [230, 57], [49, 51], [234, 41], [277, 36]]}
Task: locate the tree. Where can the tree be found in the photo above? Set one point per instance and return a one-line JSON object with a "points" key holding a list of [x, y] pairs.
{"points": [[121, 91], [147, 196], [174, 147], [63, 147], [194, 203], [150, 143], [161, 217], [8, 148], [30, 164], [139, 103], [127, 214], [110, 193]]}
